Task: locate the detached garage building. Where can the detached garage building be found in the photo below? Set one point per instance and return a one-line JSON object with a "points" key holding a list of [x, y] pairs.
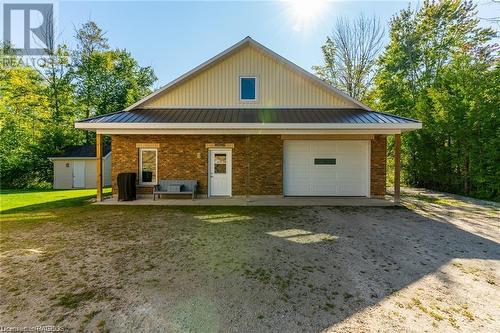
{"points": [[76, 167]]}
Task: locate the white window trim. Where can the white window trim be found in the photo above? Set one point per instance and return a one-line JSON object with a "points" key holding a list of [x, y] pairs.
{"points": [[154, 182], [256, 89]]}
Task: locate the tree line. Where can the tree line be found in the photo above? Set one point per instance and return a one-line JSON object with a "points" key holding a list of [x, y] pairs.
{"points": [[39, 104], [440, 66]]}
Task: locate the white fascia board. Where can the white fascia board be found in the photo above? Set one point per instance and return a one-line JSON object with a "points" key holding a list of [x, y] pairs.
{"points": [[244, 132], [244, 126]]}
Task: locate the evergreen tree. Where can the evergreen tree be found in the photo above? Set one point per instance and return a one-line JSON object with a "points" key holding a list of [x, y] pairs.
{"points": [[442, 68]]}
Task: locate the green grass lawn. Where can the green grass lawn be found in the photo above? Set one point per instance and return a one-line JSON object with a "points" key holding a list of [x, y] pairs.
{"points": [[12, 201]]}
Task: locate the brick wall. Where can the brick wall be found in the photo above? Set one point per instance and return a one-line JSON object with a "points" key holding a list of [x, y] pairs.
{"points": [[378, 166], [186, 157]]}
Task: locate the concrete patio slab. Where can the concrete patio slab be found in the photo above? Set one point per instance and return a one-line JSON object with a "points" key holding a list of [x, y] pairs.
{"points": [[254, 201]]}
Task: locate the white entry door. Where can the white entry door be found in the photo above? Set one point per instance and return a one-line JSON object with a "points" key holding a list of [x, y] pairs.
{"points": [[78, 174], [219, 172], [327, 168]]}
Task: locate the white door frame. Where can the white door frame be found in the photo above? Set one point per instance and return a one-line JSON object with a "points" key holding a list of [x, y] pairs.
{"points": [[229, 168], [82, 170]]}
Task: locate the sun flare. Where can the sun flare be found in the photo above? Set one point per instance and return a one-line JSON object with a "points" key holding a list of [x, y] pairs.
{"points": [[305, 12]]}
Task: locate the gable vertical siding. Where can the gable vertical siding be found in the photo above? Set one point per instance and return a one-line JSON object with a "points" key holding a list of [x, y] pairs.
{"points": [[278, 86]]}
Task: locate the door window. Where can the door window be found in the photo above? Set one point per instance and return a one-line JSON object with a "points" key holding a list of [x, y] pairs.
{"points": [[220, 163], [148, 166]]}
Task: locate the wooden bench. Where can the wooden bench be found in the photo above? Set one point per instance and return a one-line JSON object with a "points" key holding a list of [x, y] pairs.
{"points": [[175, 186]]}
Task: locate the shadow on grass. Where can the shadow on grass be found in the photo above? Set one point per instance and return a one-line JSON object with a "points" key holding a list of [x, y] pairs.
{"points": [[51, 203], [62, 203]]}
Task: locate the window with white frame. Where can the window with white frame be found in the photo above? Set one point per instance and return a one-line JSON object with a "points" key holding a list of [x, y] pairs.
{"points": [[148, 166], [248, 88]]}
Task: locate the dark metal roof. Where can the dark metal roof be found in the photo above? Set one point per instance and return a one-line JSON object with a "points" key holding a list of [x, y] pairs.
{"points": [[311, 116], [82, 151]]}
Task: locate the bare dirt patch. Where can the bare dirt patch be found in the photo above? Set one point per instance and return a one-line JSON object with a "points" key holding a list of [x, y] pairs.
{"points": [[254, 269]]}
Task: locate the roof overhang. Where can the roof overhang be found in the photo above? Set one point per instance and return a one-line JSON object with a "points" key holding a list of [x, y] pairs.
{"points": [[247, 126], [246, 131]]}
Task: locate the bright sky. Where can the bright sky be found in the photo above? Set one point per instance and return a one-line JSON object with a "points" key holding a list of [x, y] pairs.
{"points": [[174, 37]]}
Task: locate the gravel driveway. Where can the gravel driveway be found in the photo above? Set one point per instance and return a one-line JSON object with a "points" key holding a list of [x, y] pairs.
{"points": [[432, 265]]}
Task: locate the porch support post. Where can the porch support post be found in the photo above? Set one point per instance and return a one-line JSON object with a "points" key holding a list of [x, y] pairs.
{"points": [[247, 176], [397, 168], [98, 162]]}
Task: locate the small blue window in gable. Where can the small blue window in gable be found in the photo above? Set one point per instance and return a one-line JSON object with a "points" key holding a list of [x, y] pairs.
{"points": [[248, 88]]}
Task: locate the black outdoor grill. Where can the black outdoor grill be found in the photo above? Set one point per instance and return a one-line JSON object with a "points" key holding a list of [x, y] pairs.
{"points": [[126, 186]]}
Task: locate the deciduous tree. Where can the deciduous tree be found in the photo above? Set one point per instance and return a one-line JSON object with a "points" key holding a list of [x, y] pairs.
{"points": [[350, 55], [442, 67]]}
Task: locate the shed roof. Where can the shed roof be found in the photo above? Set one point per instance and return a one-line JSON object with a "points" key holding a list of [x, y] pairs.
{"points": [[84, 151]]}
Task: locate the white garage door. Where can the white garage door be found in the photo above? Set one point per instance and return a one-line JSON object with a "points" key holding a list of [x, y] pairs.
{"points": [[326, 168]]}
